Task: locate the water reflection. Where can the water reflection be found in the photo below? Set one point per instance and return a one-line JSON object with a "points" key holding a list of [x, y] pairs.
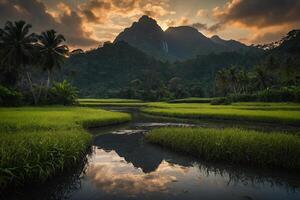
{"points": [[113, 174], [124, 166]]}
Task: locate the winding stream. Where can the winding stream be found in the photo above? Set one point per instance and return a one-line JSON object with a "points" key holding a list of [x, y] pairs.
{"points": [[123, 165]]}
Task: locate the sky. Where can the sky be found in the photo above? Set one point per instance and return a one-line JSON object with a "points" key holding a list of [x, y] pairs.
{"points": [[88, 23]]}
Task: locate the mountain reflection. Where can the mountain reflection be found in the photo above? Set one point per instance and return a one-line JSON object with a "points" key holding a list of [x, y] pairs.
{"points": [[133, 149], [124, 161]]}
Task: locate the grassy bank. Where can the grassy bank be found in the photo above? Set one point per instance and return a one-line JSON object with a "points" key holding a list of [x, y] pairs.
{"points": [[237, 146], [37, 143], [111, 102], [192, 100], [283, 113]]}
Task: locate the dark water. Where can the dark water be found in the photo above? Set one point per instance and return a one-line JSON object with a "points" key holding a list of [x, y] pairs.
{"points": [[124, 166]]}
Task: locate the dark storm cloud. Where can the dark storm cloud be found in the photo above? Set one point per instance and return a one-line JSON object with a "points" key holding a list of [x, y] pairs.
{"points": [[35, 13], [260, 13]]}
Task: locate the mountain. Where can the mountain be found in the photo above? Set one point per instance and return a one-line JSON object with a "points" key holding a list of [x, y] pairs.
{"points": [[230, 45], [147, 36], [186, 42], [176, 43], [290, 43]]}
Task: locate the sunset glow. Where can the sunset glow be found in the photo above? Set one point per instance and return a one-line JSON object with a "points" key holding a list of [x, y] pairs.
{"points": [[88, 23]]}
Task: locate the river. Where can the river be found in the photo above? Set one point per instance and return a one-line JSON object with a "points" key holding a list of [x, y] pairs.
{"points": [[122, 165]]}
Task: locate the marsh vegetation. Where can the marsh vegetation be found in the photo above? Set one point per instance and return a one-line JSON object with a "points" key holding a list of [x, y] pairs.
{"points": [[285, 113], [236, 146], [39, 142]]}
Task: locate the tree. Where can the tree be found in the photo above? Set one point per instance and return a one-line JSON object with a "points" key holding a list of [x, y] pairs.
{"points": [[53, 53], [262, 78], [222, 83], [233, 79], [18, 46]]}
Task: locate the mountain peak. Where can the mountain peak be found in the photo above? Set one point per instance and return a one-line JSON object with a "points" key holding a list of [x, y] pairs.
{"points": [[146, 19], [176, 43], [216, 37], [185, 31], [146, 35]]}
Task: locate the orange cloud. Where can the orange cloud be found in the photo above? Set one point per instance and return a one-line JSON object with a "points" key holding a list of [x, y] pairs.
{"points": [[183, 21], [267, 20]]}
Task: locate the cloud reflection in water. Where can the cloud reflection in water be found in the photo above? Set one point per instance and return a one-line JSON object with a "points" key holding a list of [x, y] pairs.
{"points": [[112, 174]]}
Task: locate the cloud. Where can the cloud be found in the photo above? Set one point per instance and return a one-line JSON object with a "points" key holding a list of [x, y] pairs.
{"points": [[259, 13], [199, 26], [210, 29], [84, 23], [99, 11], [266, 20], [68, 23], [202, 13], [155, 10], [95, 11], [183, 21]]}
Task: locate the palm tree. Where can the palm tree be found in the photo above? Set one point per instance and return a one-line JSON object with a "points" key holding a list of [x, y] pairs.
{"points": [[233, 78], [243, 81], [262, 77], [18, 47], [53, 53], [222, 83]]}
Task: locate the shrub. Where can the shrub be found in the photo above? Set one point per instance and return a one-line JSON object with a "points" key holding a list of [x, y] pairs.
{"points": [[284, 94], [9, 97], [243, 97], [221, 101], [63, 93], [279, 95]]}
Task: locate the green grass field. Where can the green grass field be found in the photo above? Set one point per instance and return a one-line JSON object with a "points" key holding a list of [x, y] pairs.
{"points": [[236, 146], [111, 102], [284, 113], [192, 100], [36, 143]]}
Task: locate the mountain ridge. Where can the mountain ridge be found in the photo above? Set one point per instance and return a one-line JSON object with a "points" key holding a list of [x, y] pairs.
{"points": [[175, 43]]}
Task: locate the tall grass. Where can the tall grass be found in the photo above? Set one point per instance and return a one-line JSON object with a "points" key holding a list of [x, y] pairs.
{"points": [[236, 146], [279, 113], [37, 143]]}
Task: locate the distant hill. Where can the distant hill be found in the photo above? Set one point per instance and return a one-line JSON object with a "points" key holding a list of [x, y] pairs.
{"points": [[103, 71], [230, 45], [289, 44], [106, 71], [176, 43]]}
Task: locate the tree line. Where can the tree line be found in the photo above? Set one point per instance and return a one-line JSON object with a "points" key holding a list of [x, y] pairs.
{"points": [[272, 80]]}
